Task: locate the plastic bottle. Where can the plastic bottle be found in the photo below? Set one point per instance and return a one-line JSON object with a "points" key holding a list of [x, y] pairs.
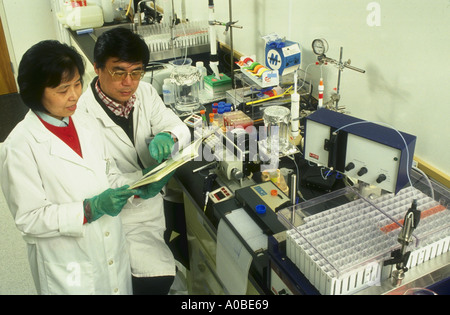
{"points": [[220, 116], [211, 119], [204, 121], [168, 92], [84, 17], [108, 13], [201, 68]]}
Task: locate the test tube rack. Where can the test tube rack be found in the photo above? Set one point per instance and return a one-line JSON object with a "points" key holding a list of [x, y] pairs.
{"points": [[342, 250], [184, 38]]}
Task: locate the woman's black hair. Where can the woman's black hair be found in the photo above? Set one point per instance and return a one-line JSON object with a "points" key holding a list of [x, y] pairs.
{"points": [[123, 44], [46, 64]]}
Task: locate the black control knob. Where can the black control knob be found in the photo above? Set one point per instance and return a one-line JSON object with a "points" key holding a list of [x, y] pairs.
{"points": [[349, 166], [381, 178], [362, 171]]}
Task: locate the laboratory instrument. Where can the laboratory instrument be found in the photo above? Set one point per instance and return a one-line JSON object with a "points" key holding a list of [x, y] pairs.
{"points": [[369, 152], [295, 110], [152, 14], [320, 47], [214, 59], [235, 152], [221, 194], [401, 256], [193, 121], [282, 55], [271, 197]]}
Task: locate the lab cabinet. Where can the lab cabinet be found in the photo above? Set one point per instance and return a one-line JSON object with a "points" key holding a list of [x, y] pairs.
{"points": [[202, 277]]}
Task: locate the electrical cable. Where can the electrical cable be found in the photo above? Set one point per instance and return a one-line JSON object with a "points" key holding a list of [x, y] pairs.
{"points": [[304, 78], [427, 178], [129, 8]]}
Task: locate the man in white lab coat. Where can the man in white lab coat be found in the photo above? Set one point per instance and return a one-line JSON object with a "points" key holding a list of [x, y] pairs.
{"points": [[133, 115]]}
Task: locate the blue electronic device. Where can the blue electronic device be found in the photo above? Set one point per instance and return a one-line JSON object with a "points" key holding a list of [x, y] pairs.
{"points": [[284, 56], [372, 153]]}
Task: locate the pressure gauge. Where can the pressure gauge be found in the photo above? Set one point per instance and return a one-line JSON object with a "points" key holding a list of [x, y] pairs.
{"points": [[320, 46]]}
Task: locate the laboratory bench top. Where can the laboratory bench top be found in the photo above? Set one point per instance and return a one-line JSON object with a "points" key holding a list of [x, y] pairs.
{"points": [[192, 185], [435, 275]]}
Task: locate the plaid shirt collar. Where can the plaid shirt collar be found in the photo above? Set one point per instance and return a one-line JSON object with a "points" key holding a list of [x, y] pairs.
{"points": [[116, 108]]}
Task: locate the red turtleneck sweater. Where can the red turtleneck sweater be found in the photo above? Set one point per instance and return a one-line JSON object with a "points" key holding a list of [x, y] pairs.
{"points": [[67, 134]]}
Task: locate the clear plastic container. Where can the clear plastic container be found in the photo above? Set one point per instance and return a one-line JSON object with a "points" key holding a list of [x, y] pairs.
{"points": [[168, 89], [237, 119], [201, 68], [346, 238], [108, 11]]}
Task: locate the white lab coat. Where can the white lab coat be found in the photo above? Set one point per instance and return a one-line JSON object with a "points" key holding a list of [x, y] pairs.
{"points": [[143, 220], [45, 182]]}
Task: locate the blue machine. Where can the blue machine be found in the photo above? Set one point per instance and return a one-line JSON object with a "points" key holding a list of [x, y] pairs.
{"points": [[284, 56], [374, 154]]}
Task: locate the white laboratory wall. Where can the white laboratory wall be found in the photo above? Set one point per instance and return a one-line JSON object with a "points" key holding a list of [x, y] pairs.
{"points": [[403, 45], [28, 22]]}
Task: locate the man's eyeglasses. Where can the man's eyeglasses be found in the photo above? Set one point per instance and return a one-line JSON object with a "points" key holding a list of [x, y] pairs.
{"points": [[135, 75]]}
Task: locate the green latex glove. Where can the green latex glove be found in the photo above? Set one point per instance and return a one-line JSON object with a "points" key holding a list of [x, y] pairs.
{"points": [[161, 146], [151, 190], [109, 202]]}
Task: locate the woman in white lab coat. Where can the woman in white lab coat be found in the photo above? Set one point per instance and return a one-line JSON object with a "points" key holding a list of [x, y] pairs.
{"points": [[56, 179]]}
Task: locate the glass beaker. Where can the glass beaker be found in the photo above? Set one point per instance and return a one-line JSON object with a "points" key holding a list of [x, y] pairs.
{"points": [[186, 80], [276, 121]]}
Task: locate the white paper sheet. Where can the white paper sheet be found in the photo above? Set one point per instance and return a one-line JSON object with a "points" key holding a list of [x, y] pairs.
{"points": [[233, 260]]}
